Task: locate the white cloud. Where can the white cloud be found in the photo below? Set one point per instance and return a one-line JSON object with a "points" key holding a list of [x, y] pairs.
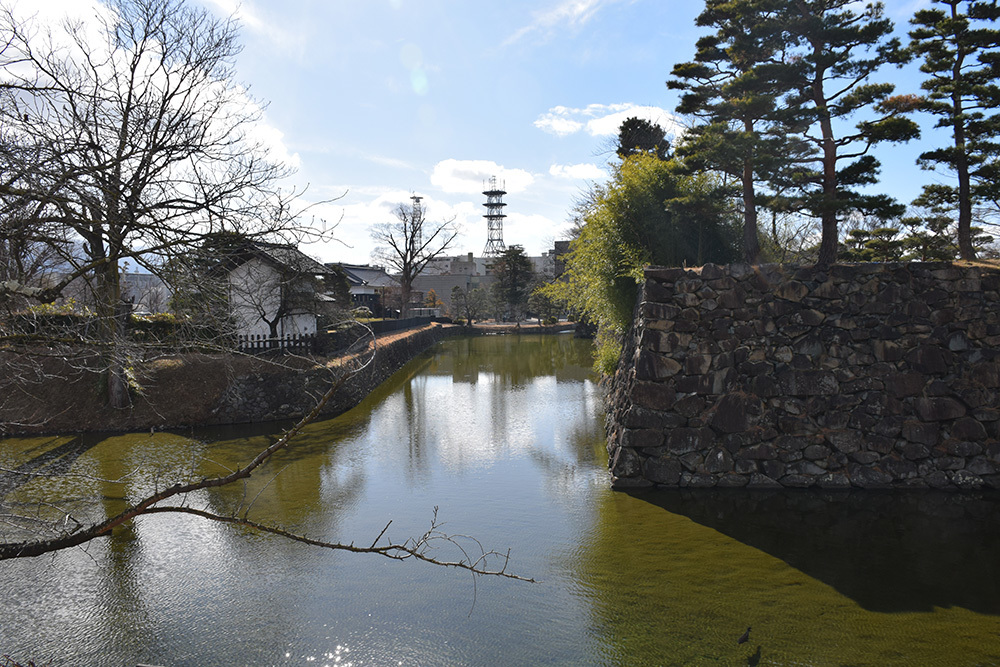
{"points": [[589, 172], [602, 120], [470, 176], [273, 141], [572, 13], [252, 19], [557, 123]]}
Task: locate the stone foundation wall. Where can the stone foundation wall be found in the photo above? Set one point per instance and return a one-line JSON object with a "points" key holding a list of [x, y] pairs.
{"points": [[196, 389], [870, 375], [290, 395]]}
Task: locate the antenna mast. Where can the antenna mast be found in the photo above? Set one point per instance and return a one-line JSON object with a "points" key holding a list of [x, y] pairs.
{"points": [[417, 225]]}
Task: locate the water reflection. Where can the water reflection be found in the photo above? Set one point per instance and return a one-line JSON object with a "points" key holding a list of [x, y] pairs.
{"points": [[898, 552], [505, 434]]}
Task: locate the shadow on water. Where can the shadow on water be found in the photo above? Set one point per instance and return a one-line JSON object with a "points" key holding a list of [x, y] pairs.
{"points": [[43, 460], [889, 552]]}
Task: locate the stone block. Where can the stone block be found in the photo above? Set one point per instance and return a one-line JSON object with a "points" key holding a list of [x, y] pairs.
{"points": [[653, 395], [718, 460], [664, 470], [625, 462], [642, 438], [979, 465], [845, 441], [698, 480], [902, 385], [684, 440], [694, 384], [913, 450], [864, 458], [689, 406], [963, 448], [697, 364], [745, 466], [938, 479], [834, 480], [867, 477], [938, 409], [773, 469], [889, 427], [922, 432], [930, 359], [760, 452], [729, 415], [623, 483], [964, 479], [808, 383], [692, 461], [797, 481], [806, 468], [759, 481], [791, 291], [661, 274], [653, 366], [900, 468], [732, 481], [816, 452]]}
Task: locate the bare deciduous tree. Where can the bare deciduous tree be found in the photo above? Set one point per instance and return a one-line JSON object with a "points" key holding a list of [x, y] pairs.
{"points": [[129, 139], [409, 243]]}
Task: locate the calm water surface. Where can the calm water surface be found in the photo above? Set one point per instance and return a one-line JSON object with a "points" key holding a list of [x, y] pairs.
{"points": [[505, 436]]}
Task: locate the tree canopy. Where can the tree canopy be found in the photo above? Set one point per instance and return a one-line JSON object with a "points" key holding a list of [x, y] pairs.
{"points": [[650, 212], [735, 85], [959, 47]]}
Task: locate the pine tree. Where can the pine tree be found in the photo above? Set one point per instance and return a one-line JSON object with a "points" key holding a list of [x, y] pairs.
{"points": [[733, 85], [960, 56], [840, 48], [638, 135]]}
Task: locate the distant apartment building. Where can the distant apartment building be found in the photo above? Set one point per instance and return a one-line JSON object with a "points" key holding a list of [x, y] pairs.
{"points": [[468, 272]]}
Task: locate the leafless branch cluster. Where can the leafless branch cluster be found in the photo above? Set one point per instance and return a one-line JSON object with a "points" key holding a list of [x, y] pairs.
{"points": [[126, 138], [407, 244]]}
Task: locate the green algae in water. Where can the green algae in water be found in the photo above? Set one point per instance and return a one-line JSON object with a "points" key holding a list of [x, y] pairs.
{"points": [[666, 589]]}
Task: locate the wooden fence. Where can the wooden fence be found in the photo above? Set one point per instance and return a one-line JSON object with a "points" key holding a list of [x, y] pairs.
{"points": [[260, 344]]}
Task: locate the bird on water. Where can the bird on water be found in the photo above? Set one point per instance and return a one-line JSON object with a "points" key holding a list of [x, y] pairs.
{"points": [[745, 637]]}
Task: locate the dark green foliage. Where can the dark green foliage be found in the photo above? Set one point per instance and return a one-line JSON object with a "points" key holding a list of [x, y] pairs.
{"points": [[637, 135], [543, 306], [838, 48], [960, 55], [335, 284], [515, 278], [929, 238], [469, 304], [734, 84], [878, 245], [652, 212]]}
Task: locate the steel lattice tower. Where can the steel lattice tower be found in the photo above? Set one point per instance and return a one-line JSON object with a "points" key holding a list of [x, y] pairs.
{"points": [[494, 218]]}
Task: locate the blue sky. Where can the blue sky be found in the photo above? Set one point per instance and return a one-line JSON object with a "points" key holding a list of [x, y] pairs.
{"points": [[373, 100]]}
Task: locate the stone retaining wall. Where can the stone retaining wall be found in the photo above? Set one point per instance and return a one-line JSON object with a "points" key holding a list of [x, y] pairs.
{"points": [[870, 375], [282, 394], [197, 389]]}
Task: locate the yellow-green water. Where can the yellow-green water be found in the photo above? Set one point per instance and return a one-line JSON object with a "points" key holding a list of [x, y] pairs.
{"points": [[505, 436]]}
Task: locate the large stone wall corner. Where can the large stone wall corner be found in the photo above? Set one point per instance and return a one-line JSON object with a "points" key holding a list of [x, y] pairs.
{"points": [[870, 376]]}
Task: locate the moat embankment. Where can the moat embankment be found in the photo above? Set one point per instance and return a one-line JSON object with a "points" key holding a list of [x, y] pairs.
{"points": [[202, 389]]}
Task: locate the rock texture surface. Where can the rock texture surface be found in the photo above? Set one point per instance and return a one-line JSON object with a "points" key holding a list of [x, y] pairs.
{"points": [[869, 375]]}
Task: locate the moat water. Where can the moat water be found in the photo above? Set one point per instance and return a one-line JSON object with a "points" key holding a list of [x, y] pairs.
{"points": [[504, 436]]}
